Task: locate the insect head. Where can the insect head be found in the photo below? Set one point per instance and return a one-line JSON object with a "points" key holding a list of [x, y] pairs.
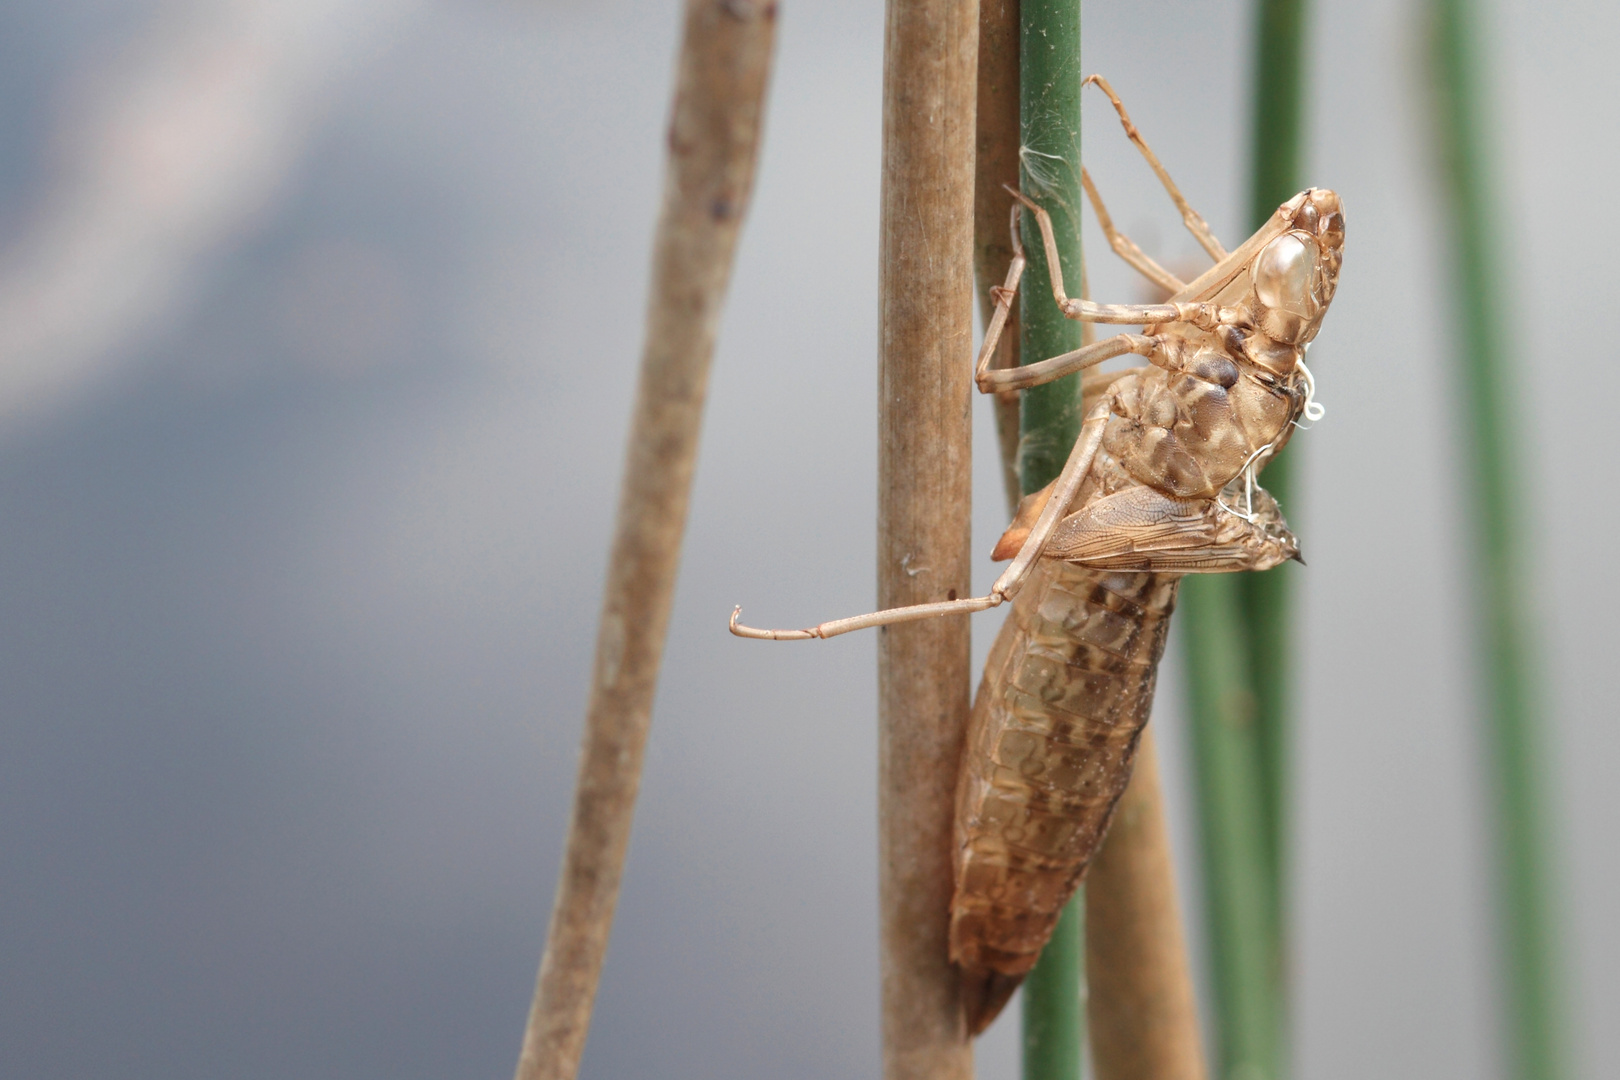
{"points": [[1296, 274]]}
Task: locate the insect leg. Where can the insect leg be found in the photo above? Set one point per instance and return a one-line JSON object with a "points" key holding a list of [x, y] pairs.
{"points": [[1125, 247], [886, 617], [1004, 297], [1001, 380], [1063, 493], [1203, 315], [1011, 579], [1191, 218]]}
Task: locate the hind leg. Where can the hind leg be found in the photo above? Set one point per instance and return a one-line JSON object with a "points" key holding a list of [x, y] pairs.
{"points": [[1125, 247], [1191, 218]]}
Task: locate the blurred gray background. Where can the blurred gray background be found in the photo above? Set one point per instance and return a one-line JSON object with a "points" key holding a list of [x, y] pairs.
{"points": [[318, 324]]}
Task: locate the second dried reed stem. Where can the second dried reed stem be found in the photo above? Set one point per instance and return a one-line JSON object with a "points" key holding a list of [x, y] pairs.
{"points": [[714, 136]]}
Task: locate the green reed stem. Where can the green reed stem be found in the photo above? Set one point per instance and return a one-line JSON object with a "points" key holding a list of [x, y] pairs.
{"points": [[1238, 891], [1527, 937], [1278, 114], [1054, 1033], [1049, 172], [1049, 132], [1239, 633]]}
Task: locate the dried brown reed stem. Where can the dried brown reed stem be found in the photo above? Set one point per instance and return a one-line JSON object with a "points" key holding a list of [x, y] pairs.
{"points": [[714, 136], [996, 146], [924, 494], [1144, 1017]]}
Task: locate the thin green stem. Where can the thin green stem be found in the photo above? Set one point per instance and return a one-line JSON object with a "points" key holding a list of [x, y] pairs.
{"points": [[1053, 1035], [1275, 175], [1278, 89], [1239, 634], [1513, 711], [1049, 172], [1049, 133], [1237, 893]]}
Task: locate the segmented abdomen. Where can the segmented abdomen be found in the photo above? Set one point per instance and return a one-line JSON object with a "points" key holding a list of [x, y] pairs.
{"points": [[1053, 734]]}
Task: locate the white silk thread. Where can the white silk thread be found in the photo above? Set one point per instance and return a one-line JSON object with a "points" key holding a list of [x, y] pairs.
{"points": [[1247, 472], [1314, 410]]}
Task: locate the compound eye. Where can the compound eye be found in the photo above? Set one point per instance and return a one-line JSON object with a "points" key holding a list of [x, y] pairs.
{"points": [[1282, 275]]}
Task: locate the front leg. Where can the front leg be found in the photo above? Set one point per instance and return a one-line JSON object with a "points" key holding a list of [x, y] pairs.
{"points": [[1172, 352], [1001, 380], [1205, 316]]}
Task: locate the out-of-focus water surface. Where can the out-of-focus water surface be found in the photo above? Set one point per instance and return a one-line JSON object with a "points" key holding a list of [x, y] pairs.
{"points": [[318, 325]]}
